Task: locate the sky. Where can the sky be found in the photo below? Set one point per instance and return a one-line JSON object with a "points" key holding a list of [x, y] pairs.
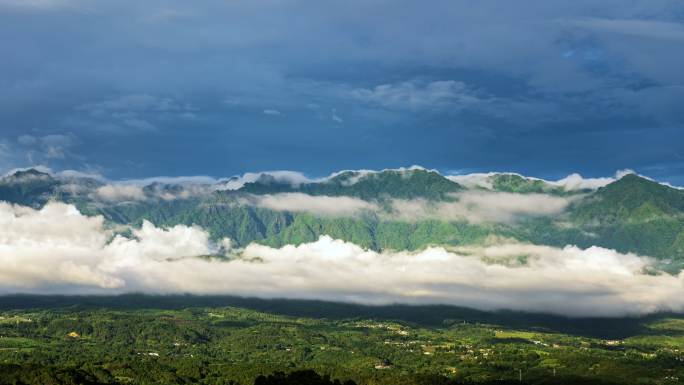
{"points": [[132, 89]]}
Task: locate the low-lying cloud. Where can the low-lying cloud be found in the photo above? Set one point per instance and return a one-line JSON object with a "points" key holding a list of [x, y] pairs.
{"points": [[572, 182], [293, 178], [471, 206], [480, 206], [58, 250], [116, 193], [313, 204]]}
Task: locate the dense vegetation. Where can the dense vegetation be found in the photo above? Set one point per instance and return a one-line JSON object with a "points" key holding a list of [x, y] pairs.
{"points": [[220, 340]]}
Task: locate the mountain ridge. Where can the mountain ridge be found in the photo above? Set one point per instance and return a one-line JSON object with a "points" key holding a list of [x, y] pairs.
{"points": [[631, 214]]}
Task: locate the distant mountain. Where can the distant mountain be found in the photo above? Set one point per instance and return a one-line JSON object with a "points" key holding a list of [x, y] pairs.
{"points": [[403, 184], [518, 184], [514, 183], [28, 187]]}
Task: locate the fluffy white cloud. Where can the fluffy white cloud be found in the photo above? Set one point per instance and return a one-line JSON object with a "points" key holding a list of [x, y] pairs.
{"points": [[319, 205], [58, 250]]}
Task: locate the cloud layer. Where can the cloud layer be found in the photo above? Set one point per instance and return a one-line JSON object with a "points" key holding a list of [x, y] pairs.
{"points": [[470, 206], [58, 250], [318, 205], [480, 206]]}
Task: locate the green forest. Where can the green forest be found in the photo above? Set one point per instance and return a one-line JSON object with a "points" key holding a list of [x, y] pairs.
{"points": [[136, 339]]}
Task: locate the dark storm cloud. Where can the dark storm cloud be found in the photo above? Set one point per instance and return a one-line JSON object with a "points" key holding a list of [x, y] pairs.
{"points": [[543, 87]]}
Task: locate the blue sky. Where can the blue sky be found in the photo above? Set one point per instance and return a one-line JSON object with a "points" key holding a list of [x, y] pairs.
{"points": [[133, 89]]}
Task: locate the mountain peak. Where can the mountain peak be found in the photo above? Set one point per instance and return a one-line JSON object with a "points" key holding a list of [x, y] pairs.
{"points": [[633, 198], [633, 181], [26, 175]]}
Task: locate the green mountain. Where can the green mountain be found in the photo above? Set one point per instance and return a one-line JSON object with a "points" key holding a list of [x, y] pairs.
{"points": [[403, 184], [632, 214], [515, 183], [631, 199], [635, 214]]}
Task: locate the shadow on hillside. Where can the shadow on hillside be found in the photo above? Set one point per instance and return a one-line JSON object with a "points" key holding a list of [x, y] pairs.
{"points": [[427, 315]]}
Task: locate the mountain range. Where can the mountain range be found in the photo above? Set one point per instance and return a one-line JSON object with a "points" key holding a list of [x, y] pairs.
{"points": [[404, 209]]}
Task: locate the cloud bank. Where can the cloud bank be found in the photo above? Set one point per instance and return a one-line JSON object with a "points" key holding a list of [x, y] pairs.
{"points": [[480, 206], [58, 250], [115, 193], [314, 204], [470, 206], [572, 182]]}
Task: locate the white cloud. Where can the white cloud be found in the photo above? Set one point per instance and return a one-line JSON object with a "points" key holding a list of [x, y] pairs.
{"points": [[177, 180], [271, 112], [416, 95], [577, 182], [48, 147], [77, 174], [363, 173], [572, 182], [654, 29], [319, 205], [480, 206], [120, 192], [27, 140], [39, 5], [134, 112], [58, 250], [137, 190], [292, 177], [133, 102], [336, 118], [474, 180]]}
